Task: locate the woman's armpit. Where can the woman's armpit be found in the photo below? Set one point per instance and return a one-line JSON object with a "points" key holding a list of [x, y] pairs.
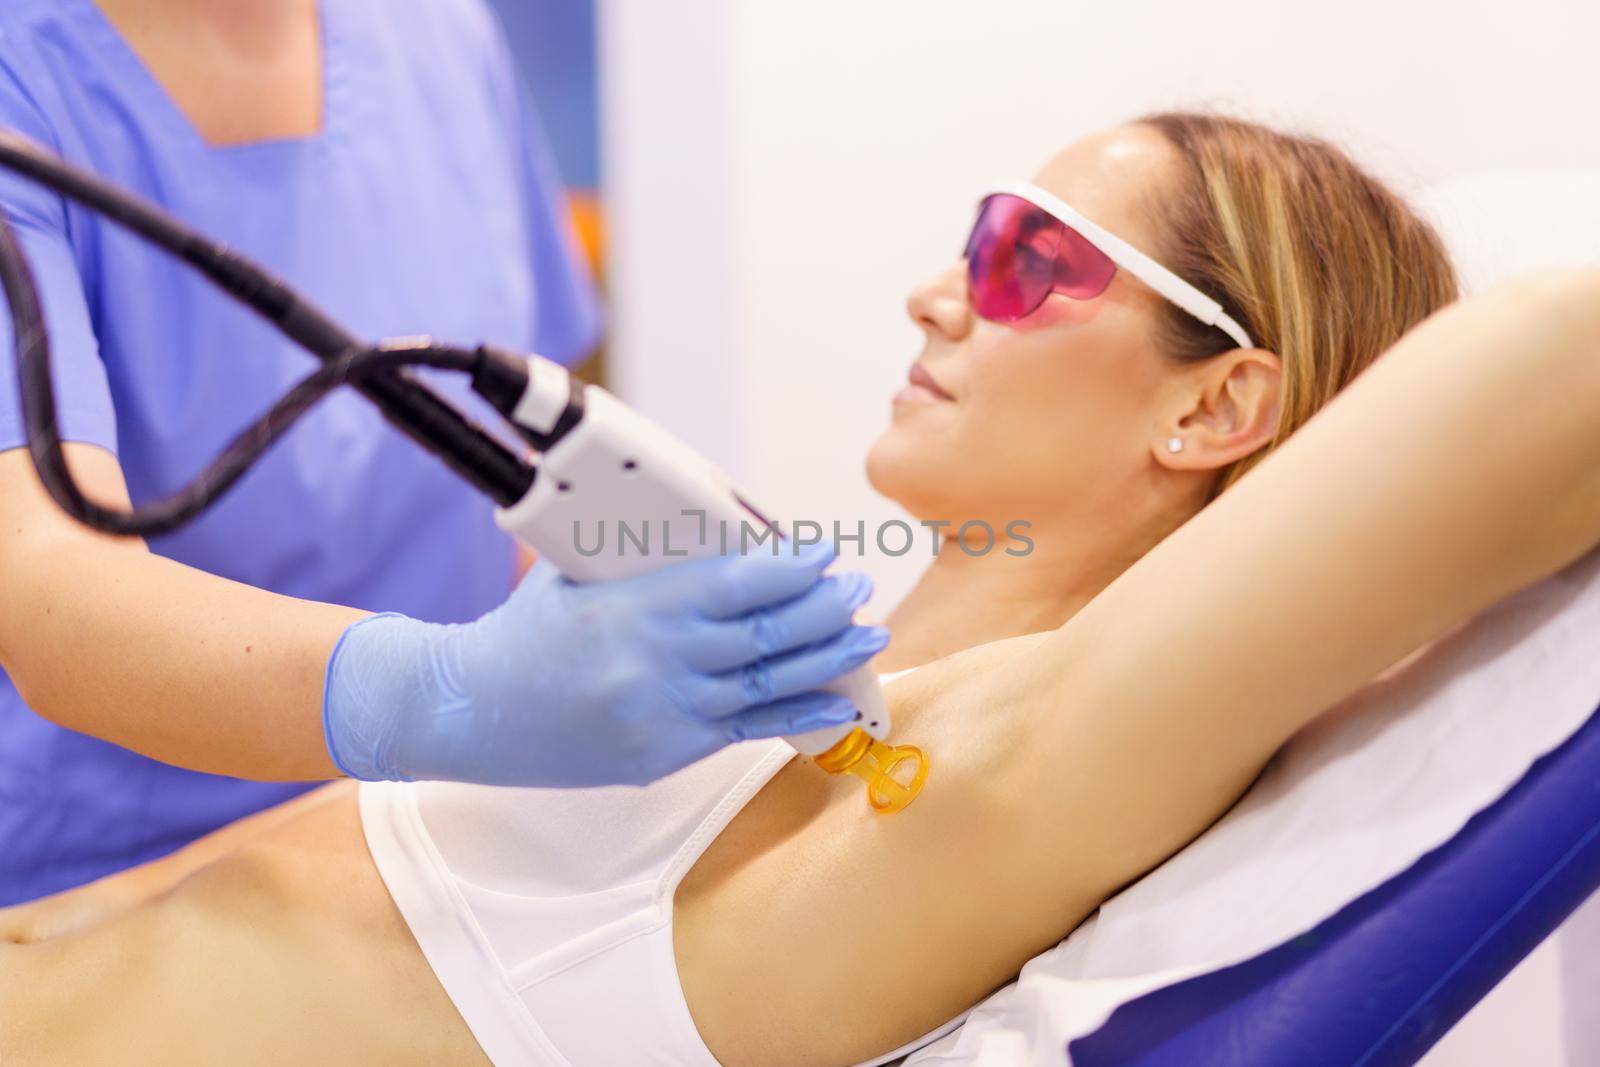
{"points": [[886, 926]]}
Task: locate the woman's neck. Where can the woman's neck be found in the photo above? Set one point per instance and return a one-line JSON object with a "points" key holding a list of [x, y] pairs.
{"points": [[963, 599], [239, 19], [241, 71]]}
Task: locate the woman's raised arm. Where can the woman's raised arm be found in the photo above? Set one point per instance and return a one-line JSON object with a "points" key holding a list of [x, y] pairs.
{"points": [[1461, 467]]}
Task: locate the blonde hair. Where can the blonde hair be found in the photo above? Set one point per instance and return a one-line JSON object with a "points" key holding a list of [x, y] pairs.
{"points": [[1318, 260]]}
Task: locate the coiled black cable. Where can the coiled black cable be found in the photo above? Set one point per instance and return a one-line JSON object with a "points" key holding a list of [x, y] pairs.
{"points": [[376, 371]]}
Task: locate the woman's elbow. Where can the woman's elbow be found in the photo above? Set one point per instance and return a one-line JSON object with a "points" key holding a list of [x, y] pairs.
{"points": [[1559, 316]]}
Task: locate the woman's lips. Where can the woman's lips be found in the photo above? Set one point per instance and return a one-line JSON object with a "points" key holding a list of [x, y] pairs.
{"points": [[921, 389]]}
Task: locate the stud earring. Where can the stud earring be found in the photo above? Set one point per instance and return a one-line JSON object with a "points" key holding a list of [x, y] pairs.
{"points": [[1174, 445]]}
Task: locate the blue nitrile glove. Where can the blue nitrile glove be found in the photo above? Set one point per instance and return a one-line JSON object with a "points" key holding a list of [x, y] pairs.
{"points": [[611, 682]]}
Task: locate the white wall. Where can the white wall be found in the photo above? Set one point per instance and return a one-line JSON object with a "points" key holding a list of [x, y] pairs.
{"points": [[778, 176]]}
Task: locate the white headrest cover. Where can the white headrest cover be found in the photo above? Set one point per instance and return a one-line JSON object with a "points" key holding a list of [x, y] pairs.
{"points": [[1501, 224]]}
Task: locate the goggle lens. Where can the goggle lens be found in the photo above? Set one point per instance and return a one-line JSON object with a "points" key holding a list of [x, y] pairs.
{"points": [[1018, 254]]}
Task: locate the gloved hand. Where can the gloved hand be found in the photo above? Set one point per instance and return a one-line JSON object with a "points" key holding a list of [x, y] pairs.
{"points": [[610, 682]]}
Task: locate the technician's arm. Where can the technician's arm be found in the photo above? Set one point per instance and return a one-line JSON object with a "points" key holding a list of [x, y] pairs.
{"points": [[1463, 466], [107, 638], [562, 685]]}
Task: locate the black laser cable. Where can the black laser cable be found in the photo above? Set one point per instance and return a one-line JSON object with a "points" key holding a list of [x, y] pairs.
{"points": [[377, 372]]}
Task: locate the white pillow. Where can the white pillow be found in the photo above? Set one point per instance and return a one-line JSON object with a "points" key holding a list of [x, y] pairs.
{"points": [[1501, 224]]}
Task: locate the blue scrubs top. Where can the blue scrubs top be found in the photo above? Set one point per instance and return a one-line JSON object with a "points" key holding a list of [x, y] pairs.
{"points": [[425, 205]]}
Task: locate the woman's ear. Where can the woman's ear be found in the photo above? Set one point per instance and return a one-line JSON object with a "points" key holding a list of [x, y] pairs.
{"points": [[1225, 409]]}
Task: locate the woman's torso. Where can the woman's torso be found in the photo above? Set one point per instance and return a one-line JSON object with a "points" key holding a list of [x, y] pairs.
{"points": [[417, 208]]}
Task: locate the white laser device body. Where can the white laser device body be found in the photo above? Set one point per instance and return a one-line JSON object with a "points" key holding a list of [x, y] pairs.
{"points": [[617, 495]]}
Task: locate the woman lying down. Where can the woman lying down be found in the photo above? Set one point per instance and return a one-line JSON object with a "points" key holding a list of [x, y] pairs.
{"points": [[1088, 708]]}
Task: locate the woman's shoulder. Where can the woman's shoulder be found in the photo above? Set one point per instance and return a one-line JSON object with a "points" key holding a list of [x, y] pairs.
{"points": [[28, 29], [450, 50], [24, 16], [32, 33], [59, 64], [450, 27]]}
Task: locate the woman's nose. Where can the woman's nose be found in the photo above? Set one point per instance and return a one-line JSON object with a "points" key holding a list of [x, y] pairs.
{"points": [[939, 305]]}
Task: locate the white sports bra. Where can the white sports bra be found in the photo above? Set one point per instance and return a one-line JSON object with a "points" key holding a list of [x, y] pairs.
{"points": [[547, 914]]}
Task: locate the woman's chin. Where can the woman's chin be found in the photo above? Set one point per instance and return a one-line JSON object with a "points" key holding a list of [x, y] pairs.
{"points": [[886, 463], [904, 473]]}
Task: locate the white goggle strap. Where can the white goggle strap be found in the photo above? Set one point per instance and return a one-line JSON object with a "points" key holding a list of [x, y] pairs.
{"points": [[1133, 261]]}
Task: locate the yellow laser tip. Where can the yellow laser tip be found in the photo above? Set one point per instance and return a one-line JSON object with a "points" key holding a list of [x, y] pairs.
{"points": [[894, 775]]}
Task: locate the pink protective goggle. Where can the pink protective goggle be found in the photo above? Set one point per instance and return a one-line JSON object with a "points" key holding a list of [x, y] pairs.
{"points": [[1028, 243]]}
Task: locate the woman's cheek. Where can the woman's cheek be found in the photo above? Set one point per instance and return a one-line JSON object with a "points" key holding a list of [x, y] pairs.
{"points": [[1058, 310]]}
